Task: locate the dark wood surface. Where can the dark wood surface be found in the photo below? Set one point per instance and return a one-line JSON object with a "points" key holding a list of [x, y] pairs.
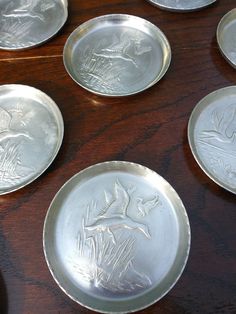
{"points": [[148, 128]]}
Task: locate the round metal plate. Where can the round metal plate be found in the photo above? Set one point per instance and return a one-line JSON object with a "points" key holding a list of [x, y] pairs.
{"points": [[31, 132], [29, 23], [212, 136], [182, 5], [117, 55], [100, 226], [226, 37]]}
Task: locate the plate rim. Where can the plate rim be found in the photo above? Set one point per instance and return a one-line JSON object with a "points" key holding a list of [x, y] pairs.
{"points": [[190, 135], [60, 125], [120, 16], [184, 254], [42, 42], [179, 10], [218, 34]]}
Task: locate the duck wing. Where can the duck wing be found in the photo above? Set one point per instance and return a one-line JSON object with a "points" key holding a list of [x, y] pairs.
{"points": [[116, 43], [119, 205], [5, 120], [109, 200]]}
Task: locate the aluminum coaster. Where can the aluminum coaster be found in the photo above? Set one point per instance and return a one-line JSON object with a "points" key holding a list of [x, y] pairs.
{"points": [[31, 131], [226, 37], [116, 237], [28, 23], [212, 136], [117, 55], [182, 5]]}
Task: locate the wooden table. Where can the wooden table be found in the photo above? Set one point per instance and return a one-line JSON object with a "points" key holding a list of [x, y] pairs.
{"points": [[149, 128]]}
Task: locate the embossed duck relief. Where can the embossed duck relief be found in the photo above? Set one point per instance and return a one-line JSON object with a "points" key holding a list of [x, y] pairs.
{"points": [[218, 144], [115, 216], [27, 8], [9, 161], [224, 124], [11, 137], [103, 66], [124, 48], [109, 267], [17, 19], [106, 253], [7, 131], [218, 165]]}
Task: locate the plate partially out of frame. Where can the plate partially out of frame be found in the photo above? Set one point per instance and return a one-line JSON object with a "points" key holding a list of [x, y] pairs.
{"points": [[117, 55], [116, 237], [29, 23], [212, 136], [31, 132], [182, 5], [226, 37]]}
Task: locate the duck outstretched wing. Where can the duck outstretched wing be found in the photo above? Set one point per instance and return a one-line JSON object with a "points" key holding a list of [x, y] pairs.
{"points": [[5, 120], [118, 206]]}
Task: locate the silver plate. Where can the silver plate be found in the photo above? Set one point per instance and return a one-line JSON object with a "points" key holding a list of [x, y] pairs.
{"points": [[29, 23], [117, 55], [182, 5], [212, 136], [31, 132], [226, 37], [116, 237]]}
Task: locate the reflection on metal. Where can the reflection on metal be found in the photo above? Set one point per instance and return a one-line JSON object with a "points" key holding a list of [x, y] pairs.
{"points": [[116, 231], [212, 136], [26, 23], [110, 252]]}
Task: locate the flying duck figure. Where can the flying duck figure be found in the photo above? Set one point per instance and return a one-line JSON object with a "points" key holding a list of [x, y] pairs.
{"points": [[26, 9], [221, 134], [115, 217], [6, 132], [118, 50], [144, 207]]}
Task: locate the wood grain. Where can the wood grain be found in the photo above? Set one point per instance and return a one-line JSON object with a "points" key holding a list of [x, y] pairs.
{"points": [[148, 128]]}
